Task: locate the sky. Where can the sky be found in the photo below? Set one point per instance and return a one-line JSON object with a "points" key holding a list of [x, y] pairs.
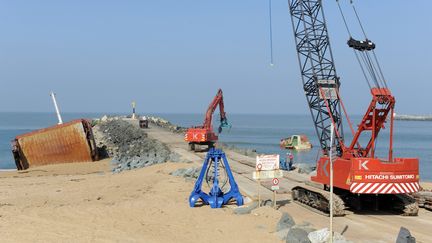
{"points": [[172, 56]]}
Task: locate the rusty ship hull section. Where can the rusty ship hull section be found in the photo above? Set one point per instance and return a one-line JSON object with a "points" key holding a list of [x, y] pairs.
{"points": [[65, 143]]}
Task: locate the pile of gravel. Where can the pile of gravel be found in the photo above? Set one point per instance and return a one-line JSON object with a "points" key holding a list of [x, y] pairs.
{"points": [[130, 147], [187, 173], [288, 230], [160, 122]]}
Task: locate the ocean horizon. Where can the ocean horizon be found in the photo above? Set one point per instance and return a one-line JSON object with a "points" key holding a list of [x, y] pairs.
{"points": [[261, 132]]}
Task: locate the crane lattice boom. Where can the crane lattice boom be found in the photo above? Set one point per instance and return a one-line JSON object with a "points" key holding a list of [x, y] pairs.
{"points": [[318, 72]]}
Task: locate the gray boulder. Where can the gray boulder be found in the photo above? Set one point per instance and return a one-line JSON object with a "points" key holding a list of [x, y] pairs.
{"points": [[286, 221], [298, 235], [191, 173], [303, 168], [282, 234], [246, 209], [405, 236], [178, 172]]}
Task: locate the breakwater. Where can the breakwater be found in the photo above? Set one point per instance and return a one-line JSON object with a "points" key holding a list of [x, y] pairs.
{"points": [[413, 117]]}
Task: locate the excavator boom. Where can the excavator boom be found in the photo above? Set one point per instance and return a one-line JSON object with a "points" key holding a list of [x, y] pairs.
{"points": [[217, 101]]}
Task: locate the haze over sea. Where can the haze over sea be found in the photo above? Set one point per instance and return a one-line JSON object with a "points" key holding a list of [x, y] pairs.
{"points": [[260, 132]]}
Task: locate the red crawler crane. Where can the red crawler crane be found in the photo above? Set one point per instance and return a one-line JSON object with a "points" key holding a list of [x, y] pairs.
{"points": [[204, 135], [360, 178]]}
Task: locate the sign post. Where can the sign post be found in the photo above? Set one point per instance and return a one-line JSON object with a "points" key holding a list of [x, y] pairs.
{"points": [[259, 194], [267, 167], [331, 180], [275, 186]]}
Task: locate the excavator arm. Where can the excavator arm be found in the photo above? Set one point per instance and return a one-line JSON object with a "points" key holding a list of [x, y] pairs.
{"points": [[217, 101]]}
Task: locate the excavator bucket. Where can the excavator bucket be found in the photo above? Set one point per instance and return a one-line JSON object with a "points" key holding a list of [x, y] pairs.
{"points": [[224, 124]]}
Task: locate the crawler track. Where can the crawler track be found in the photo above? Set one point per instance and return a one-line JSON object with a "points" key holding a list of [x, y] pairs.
{"points": [[318, 200], [406, 204]]}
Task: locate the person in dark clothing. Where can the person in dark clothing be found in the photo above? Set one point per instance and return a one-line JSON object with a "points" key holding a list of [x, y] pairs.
{"points": [[290, 158]]}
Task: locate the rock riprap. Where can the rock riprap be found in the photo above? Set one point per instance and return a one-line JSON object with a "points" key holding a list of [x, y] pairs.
{"points": [[130, 147], [158, 121]]}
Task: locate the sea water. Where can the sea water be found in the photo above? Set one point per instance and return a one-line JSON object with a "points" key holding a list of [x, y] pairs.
{"points": [[259, 132]]}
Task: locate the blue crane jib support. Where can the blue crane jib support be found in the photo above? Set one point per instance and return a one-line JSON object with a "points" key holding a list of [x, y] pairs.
{"points": [[216, 198], [318, 72]]}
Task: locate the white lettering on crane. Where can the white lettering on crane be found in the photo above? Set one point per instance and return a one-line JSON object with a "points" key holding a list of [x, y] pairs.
{"points": [[391, 177], [399, 177], [376, 177], [324, 166]]}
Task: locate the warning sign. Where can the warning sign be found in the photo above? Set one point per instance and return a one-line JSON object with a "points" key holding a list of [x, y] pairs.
{"points": [[267, 167], [275, 184], [267, 162]]}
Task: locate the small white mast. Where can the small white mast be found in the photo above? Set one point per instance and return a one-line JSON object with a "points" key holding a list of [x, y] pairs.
{"points": [[133, 110], [60, 121]]}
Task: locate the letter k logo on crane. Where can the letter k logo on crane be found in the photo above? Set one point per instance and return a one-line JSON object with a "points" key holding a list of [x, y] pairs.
{"points": [[363, 165]]}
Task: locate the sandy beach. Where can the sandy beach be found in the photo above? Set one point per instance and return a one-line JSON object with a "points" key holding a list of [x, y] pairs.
{"points": [[86, 202]]}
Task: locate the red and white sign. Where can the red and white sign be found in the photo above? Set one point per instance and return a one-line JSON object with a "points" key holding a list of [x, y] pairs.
{"points": [[275, 184], [267, 162], [384, 188], [259, 166]]}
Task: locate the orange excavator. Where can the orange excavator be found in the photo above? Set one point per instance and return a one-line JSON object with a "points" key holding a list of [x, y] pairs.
{"points": [[204, 135]]}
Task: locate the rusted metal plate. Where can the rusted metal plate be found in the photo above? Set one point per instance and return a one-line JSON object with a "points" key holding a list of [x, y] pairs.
{"points": [[65, 143]]}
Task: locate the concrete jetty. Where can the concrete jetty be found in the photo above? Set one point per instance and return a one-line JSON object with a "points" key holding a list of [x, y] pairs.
{"points": [[413, 117]]}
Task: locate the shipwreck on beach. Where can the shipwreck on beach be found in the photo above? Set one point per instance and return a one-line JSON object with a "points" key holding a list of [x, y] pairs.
{"points": [[64, 143]]}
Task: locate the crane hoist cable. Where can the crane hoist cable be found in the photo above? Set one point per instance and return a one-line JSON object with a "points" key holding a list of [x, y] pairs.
{"points": [[373, 51], [344, 19], [355, 53], [270, 32], [370, 66], [362, 68]]}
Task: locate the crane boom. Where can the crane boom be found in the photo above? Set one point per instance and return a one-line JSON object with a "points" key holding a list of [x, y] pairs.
{"points": [[318, 72]]}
